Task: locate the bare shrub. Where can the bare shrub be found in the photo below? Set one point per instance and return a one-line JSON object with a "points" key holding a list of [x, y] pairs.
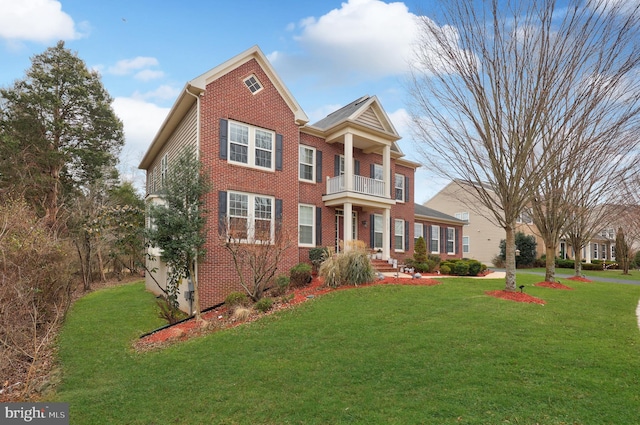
{"points": [[35, 293]]}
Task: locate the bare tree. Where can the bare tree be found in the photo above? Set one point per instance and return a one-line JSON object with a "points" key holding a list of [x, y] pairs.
{"points": [[499, 88]]}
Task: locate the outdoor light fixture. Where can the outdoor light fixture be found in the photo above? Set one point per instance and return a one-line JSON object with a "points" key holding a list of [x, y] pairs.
{"points": [[517, 252], [521, 288], [364, 223]]}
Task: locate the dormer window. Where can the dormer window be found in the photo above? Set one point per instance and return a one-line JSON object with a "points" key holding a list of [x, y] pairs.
{"points": [[253, 84]]}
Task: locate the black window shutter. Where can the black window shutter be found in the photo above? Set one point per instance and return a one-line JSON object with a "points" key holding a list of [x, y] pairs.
{"points": [[336, 166], [318, 226], [319, 166], [392, 225], [222, 212], [278, 215], [427, 236], [372, 228], [443, 240], [278, 152], [455, 242], [406, 235], [223, 138], [406, 189], [356, 167], [372, 170]]}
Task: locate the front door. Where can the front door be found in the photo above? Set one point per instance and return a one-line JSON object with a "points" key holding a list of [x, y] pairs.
{"points": [[340, 229]]}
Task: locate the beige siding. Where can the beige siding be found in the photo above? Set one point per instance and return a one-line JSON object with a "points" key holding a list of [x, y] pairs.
{"points": [[369, 118], [184, 135]]}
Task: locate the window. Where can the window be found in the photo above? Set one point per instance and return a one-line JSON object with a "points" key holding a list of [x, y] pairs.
{"points": [[435, 239], [306, 225], [250, 146], [307, 158], [398, 239], [377, 172], [465, 244], [595, 251], [613, 252], [164, 169], [451, 240], [525, 217], [603, 251], [417, 230], [253, 84], [250, 217], [378, 226], [399, 185], [462, 216]]}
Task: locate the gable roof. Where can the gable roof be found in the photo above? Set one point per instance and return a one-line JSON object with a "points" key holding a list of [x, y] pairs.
{"points": [[194, 88], [426, 212]]}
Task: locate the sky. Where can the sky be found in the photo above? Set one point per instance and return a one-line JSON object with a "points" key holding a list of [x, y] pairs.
{"points": [[327, 52]]}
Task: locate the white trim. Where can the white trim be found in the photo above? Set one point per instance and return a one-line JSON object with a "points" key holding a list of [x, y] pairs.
{"points": [[312, 165], [313, 225], [252, 133]]}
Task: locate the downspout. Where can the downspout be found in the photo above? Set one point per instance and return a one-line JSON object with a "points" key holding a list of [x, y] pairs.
{"points": [[186, 90]]}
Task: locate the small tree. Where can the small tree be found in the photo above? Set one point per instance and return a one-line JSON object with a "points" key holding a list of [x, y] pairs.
{"points": [[420, 251], [179, 225], [525, 248], [623, 252]]}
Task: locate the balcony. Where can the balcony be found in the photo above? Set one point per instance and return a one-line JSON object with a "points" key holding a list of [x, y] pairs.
{"points": [[361, 185]]}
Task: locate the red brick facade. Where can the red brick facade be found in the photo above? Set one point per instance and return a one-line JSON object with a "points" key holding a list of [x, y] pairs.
{"points": [[226, 97]]}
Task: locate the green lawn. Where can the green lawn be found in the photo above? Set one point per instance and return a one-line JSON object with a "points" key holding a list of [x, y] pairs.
{"points": [[444, 354]]}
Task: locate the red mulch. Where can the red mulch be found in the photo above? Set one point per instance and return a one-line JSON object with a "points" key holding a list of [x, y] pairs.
{"points": [[553, 285], [221, 318], [579, 279], [515, 296]]}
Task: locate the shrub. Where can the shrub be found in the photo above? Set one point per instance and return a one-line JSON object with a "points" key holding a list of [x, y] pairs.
{"points": [[264, 304], [235, 299], [281, 285], [565, 264], [420, 251], [168, 311], [591, 266], [445, 269], [436, 260], [498, 262], [461, 268], [300, 275], [241, 312], [318, 255], [331, 272], [475, 267], [356, 268], [526, 244], [421, 267]]}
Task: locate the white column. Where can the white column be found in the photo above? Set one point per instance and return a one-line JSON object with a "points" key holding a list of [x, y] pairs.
{"points": [[386, 170], [348, 228], [587, 249], [386, 233], [348, 163]]}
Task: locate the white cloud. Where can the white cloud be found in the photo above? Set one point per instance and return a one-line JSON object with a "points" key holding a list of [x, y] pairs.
{"points": [[35, 20], [128, 66], [366, 37], [141, 121], [148, 74], [162, 93]]}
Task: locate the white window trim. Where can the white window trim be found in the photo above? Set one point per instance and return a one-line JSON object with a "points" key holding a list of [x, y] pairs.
{"points": [[251, 220], [467, 245], [395, 234], [437, 239], [595, 250], [313, 225], [377, 167], [164, 170], [417, 233], [462, 216], [312, 165], [453, 240], [256, 82], [377, 217], [251, 146], [396, 187]]}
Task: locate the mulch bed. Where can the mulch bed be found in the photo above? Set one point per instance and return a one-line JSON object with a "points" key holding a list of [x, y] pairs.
{"points": [[553, 285], [579, 279], [515, 296], [222, 318]]}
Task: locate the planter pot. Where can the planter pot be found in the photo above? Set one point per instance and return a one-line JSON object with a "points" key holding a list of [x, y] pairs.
{"points": [[379, 256]]}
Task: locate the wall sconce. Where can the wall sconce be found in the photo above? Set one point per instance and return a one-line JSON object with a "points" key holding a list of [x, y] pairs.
{"points": [[364, 223]]}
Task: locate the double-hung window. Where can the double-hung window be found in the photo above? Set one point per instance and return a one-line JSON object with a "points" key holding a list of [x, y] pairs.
{"points": [[250, 217], [307, 159], [164, 170], [465, 244], [398, 233], [451, 240], [378, 172], [462, 216], [399, 186], [417, 230], [306, 225], [378, 227], [251, 146], [435, 239]]}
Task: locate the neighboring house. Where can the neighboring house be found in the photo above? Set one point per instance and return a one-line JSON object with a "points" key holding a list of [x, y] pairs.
{"points": [[480, 235], [343, 178], [442, 233]]}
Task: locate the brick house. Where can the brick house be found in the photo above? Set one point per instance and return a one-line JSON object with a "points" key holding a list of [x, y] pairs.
{"points": [[271, 168]]}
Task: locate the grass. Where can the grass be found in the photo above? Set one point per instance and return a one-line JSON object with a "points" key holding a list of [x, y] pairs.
{"points": [[634, 275], [444, 354]]}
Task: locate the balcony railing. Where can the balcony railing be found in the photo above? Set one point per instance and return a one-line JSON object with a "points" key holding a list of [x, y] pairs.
{"points": [[364, 185]]}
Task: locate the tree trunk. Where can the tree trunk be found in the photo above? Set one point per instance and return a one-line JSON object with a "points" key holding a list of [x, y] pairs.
{"points": [[577, 267], [103, 278], [510, 259], [196, 292], [550, 265]]}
